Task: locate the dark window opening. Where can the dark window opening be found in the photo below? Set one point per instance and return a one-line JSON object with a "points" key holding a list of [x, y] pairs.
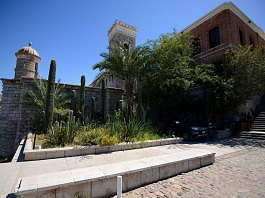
{"points": [[36, 70], [126, 45], [251, 42], [214, 37], [196, 44], [241, 37]]}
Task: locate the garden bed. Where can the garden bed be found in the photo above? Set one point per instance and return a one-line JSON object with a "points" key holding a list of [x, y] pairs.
{"points": [[41, 154]]}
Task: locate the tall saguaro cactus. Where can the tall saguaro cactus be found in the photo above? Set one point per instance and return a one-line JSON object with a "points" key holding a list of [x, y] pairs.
{"points": [[50, 96], [82, 98]]}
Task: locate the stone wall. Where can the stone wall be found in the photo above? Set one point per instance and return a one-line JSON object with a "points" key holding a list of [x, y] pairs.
{"points": [[16, 116]]}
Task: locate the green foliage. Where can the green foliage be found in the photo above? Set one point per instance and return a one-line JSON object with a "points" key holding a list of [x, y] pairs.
{"points": [[127, 128], [96, 136], [117, 130], [49, 109], [35, 97], [82, 99], [63, 132], [126, 64], [242, 75], [173, 75], [169, 69]]}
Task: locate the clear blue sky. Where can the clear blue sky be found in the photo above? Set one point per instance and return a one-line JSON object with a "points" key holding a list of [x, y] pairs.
{"points": [[74, 32]]}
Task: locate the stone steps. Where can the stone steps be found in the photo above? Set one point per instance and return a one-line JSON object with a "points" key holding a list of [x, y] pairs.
{"points": [[258, 126], [253, 135]]}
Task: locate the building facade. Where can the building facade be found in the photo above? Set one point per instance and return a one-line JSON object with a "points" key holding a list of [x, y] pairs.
{"points": [[16, 117], [222, 28], [225, 27]]}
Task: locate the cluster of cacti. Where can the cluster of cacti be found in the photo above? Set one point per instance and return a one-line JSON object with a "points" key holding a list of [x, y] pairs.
{"points": [[82, 99], [50, 96]]}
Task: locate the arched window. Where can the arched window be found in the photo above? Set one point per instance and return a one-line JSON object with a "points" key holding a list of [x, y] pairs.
{"points": [[126, 45]]}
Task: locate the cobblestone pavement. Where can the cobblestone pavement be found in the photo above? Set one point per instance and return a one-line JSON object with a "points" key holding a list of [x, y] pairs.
{"points": [[236, 175]]}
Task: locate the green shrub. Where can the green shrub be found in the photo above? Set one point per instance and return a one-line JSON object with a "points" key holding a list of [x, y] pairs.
{"points": [[64, 132], [130, 129], [96, 136]]}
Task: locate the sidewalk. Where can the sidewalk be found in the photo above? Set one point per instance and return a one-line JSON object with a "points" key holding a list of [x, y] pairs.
{"points": [[11, 172]]}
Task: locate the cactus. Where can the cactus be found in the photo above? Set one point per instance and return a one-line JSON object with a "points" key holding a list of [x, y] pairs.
{"points": [[82, 99], [50, 96]]}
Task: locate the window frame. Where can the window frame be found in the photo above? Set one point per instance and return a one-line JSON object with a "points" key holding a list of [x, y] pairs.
{"points": [[214, 37]]}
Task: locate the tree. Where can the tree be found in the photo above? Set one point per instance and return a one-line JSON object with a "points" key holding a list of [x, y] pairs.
{"points": [[126, 64], [35, 97], [50, 96], [242, 75], [172, 75], [82, 99]]}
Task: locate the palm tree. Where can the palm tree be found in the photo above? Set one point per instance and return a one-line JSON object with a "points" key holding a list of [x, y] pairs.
{"points": [[36, 98], [126, 64]]}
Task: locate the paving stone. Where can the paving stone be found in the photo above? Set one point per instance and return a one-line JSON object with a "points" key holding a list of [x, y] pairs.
{"points": [[234, 175]]}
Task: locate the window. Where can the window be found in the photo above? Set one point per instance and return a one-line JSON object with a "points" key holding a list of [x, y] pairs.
{"points": [[36, 70], [196, 44], [126, 45], [214, 37], [251, 42], [241, 37]]}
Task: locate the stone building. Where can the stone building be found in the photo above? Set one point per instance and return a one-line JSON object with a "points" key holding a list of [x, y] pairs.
{"points": [[119, 33], [16, 116]]}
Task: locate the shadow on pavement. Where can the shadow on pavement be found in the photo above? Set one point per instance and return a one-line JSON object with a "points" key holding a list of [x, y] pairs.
{"points": [[232, 142]]}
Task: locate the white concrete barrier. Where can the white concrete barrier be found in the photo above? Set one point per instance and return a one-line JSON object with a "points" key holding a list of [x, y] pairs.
{"points": [[41, 154], [101, 181]]}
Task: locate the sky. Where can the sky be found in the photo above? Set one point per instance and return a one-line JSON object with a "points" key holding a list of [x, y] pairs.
{"points": [[74, 32]]}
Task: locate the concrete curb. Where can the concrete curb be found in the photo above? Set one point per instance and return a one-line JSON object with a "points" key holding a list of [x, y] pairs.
{"points": [[19, 155], [52, 153], [100, 181]]}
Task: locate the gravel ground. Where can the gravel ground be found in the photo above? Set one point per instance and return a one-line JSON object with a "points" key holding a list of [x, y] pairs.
{"points": [[236, 175]]}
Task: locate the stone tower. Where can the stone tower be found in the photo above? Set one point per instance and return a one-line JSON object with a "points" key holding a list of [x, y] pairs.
{"points": [[15, 117], [121, 33], [27, 62]]}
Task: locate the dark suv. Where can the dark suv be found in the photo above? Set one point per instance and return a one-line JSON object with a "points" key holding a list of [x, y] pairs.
{"points": [[194, 131]]}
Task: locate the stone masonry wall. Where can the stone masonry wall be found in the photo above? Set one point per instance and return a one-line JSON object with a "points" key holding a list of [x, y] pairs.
{"points": [[16, 117]]}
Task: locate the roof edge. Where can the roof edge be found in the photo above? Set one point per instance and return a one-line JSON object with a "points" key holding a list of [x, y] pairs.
{"points": [[226, 6]]}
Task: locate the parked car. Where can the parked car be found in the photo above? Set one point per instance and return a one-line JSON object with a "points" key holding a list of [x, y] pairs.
{"points": [[194, 131]]}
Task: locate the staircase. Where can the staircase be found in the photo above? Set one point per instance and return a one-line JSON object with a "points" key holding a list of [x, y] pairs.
{"points": [[258, 128], [259, 123]]}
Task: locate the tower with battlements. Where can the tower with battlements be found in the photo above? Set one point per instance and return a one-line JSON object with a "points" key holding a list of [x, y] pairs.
{"points": [[120, 33]]}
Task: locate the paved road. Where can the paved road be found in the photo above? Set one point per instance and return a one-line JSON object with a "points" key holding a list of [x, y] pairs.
{"points": [[11, 172], [235, 175]]}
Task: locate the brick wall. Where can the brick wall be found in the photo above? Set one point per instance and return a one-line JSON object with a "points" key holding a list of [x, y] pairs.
{"points": [[229, 25]]}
